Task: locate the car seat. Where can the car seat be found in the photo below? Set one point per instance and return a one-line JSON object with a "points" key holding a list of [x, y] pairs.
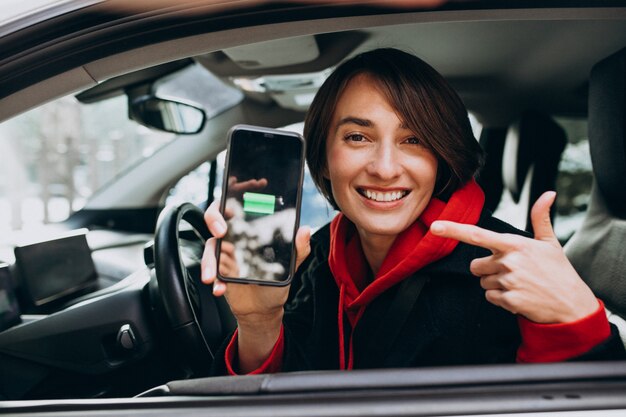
{"points": [[532, 150], [597, 249], [490, 178]]}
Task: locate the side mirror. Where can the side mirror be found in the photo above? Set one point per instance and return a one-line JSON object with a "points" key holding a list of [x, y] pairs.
{"points": [[167, 115]]}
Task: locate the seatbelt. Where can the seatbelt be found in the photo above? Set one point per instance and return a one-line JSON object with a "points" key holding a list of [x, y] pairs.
{"points": [[379, 342]]}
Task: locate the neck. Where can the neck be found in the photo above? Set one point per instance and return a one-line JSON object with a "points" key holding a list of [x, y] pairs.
{"points": [[375, 249]]}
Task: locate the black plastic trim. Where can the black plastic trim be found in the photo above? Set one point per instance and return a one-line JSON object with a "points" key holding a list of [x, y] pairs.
{"points": [[82, 338], [138, 220]]}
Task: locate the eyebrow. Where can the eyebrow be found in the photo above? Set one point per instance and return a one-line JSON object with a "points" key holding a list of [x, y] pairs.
{"points": [[354, 120], [362, 122]]}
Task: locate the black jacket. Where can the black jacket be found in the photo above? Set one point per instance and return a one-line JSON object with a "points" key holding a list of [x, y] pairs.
{"points": [[448, 323]]}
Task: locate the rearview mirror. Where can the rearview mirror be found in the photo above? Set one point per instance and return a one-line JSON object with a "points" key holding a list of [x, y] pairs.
{"points": [[167, 115]]}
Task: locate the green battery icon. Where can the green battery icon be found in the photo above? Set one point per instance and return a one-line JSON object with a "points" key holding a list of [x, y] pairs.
{"points": [[259, 203]]}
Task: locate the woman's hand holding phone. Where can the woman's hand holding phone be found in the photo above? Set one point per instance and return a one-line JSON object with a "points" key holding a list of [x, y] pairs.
{"points": [[217, 226], [253, 256], [261, 191], [257, 308]]}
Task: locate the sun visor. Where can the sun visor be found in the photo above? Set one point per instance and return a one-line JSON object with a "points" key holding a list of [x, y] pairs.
{"points": [[307, 54], [275, 53]]}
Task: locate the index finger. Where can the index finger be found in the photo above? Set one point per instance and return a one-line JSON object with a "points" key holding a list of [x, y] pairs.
{"points": [[473, 235]]}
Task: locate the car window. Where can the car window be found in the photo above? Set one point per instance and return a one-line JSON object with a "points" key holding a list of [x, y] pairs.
{"points": [[61, 153]]}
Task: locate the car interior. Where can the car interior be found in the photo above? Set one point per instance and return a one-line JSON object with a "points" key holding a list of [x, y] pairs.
{"points": [[129, 313], [526, 174]]}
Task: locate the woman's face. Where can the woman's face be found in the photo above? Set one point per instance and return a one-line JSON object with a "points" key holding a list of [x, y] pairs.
{"points": [[382, 178]]}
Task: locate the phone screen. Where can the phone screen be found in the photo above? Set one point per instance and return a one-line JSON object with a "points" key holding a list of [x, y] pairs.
{"points": [[261, 204]]}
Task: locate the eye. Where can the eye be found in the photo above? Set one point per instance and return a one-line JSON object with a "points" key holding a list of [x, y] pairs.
{"points": [[354, 137], [412, 140]]}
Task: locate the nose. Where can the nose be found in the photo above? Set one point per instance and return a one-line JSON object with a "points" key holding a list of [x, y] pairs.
{"points": [[385, 162]]}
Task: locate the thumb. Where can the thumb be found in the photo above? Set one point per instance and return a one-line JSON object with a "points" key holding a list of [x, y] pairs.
{"points": [[303, 245], [540, 217]]}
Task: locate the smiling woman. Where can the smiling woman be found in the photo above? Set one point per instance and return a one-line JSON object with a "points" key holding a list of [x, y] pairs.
{"points": [[518, 66], [380, 174], [390, 145]]}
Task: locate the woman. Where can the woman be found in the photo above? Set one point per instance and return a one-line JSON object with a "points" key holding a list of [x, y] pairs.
{"points": [[387, 283]]}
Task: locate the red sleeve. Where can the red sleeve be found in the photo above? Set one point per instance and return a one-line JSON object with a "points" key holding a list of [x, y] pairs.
{"points": [[562, 341], [271, 365]]}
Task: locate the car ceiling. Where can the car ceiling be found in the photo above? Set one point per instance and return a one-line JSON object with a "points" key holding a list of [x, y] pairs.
{"points": [[501, 61], [498, 67]]}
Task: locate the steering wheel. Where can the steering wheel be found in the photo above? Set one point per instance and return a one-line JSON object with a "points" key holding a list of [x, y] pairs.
{"points": [[199, 320]]}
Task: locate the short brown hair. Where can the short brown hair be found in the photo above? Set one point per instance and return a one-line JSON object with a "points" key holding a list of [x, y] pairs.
{"points": [[423, 100]]}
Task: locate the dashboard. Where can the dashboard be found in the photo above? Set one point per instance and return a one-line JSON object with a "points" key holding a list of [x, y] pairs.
{"points": [[46, 275]]}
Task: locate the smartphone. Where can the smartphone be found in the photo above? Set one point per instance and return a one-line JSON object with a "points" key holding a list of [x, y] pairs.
{"points": [[260, 201]]}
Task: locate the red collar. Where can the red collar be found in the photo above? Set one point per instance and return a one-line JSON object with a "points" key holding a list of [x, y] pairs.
{"points": [[413, 249]]}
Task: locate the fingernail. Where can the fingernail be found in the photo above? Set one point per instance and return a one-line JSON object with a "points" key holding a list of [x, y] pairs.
{"points": [[436, 227], [218, 286], [218, 227], [207, 274]]}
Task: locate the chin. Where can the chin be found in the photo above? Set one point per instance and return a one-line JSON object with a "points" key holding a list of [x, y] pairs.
{"points": [[382, 229]]}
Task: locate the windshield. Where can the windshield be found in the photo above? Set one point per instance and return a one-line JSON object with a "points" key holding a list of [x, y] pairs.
{"points": [[60, 154]]}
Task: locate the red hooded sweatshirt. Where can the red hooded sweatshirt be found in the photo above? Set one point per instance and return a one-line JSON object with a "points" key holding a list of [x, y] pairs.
{"points": [[413, 249]]}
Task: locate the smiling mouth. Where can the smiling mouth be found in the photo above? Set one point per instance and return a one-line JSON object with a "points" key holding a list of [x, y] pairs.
{"points": [[382, 196]]}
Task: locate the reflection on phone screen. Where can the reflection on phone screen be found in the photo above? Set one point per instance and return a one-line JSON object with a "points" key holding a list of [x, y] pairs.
{"points": [[261, 196]]}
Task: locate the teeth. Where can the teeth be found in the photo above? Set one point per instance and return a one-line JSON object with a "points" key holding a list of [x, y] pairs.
{"points": [[378, 196]]}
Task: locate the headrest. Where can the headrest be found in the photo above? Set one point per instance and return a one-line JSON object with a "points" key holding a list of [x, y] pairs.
{"points": [[490, 178], [535, 141], [607, 136]]}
